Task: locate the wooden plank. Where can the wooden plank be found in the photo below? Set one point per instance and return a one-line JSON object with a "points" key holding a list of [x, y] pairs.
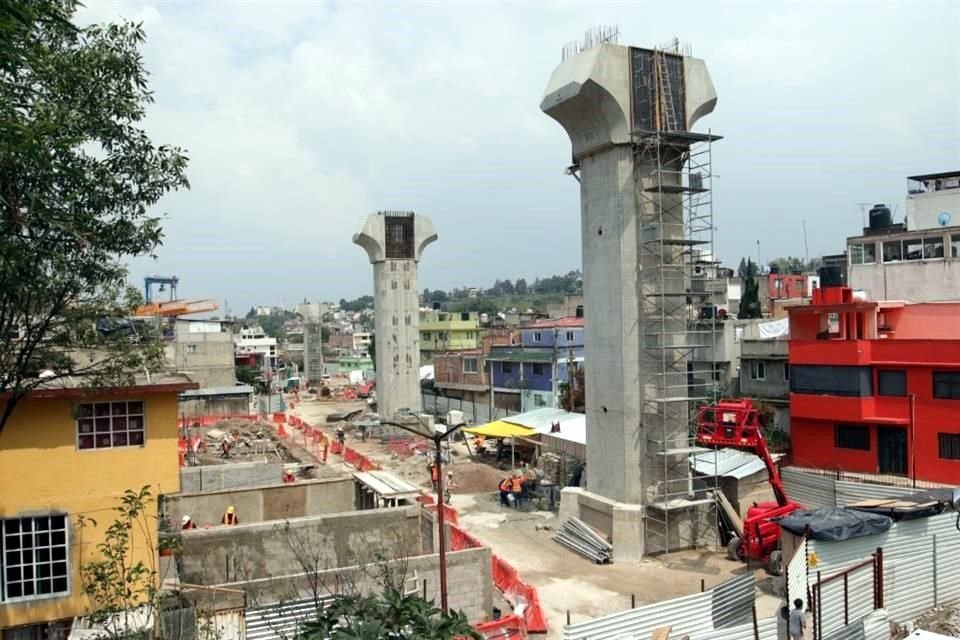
{"points": [[663, 633], [731, 513]]}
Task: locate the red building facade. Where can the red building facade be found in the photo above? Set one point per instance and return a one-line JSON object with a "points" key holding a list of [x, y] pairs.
{"points": [[875, 386]]}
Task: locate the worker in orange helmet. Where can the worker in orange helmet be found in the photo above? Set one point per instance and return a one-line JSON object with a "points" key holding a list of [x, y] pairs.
{"points": [[230, 516], [288, 477]]}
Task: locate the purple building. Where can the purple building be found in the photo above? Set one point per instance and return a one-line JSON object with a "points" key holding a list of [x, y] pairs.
{"points": [[535, 369]]}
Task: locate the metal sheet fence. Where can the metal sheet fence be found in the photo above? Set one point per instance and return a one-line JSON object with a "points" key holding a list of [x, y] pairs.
{"points": [[918, 571], [282, 620], [473, 412], [815, 490], [692, 615], [797, 574]]}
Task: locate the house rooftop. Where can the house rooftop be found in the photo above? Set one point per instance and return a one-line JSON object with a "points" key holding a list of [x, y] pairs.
{"points": [[79, 386], [934, 176], [556, 323]]}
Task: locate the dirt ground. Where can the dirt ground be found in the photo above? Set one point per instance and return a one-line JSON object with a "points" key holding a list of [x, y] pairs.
{"points": [[564, 580], [567, 582]]}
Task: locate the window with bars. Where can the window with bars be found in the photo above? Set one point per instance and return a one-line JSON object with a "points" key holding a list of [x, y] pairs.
{"points": [[33, 557], [852, 436], [949, 446], [105, 425], [470, 365]]}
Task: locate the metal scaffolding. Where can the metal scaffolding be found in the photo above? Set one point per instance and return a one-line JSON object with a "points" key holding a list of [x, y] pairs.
{"points": [[678, 321]]}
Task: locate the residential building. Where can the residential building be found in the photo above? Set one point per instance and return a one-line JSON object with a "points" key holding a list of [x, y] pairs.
{"points": [[466, 374], [448, 331], [202, 349], [254, 348], [765, 369], [875, 386], [919, 259], [546, 357], [68, 453]]}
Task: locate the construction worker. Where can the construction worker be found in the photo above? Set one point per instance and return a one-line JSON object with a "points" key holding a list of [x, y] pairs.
{"points": [[325, 443], [187, 523], [516, 488], [230, 517], [434, 477], [288, 477], [479, 443], [447, 495], [341, 437], [504, 488], [224, 448]]}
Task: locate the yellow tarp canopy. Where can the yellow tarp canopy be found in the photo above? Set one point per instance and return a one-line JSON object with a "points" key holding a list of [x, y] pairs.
{"points": [[500, 429]]}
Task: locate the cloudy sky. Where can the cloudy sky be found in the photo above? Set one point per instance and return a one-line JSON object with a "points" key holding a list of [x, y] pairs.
{"points": [[302, 117]]}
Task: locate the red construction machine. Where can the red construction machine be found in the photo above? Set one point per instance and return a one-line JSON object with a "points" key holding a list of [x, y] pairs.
{"points": [[735, 424]]}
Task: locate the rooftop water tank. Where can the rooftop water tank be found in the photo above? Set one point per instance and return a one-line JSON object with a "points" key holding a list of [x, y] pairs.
{"points": [[880, 217]]}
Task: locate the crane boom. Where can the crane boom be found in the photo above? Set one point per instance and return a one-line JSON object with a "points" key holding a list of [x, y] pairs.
{"points": [[736, 424]]}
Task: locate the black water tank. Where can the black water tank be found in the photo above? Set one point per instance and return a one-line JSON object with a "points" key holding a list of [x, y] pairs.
{"points": [[579, 311], [774, 269], [830, 276], [880, 217]]}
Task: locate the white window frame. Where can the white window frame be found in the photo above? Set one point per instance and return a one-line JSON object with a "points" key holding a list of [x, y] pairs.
{"points": [[94, 417], [191, 348], [476, 364], [570, 336], [758, 370], [4, 589], [537, 336]]}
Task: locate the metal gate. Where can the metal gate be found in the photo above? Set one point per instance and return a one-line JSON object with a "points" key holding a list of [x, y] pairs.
{"points": [[848, 596]]}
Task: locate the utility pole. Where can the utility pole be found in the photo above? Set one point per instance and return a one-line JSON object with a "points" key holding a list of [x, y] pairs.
{"points": [[437, 438]]}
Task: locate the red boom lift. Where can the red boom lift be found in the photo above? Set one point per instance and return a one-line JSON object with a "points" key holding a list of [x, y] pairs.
{"points": [[735, 424]]}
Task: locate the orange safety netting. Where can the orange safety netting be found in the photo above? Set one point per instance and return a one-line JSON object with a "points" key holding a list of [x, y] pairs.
{"points": [[506, 579], [509, 627]]}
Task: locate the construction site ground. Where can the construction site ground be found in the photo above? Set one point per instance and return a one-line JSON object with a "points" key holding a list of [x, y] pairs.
{"points": [[565, 581]]}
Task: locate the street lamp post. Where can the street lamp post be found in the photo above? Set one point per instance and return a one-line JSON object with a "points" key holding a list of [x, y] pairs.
{"points": [[437, 439]]}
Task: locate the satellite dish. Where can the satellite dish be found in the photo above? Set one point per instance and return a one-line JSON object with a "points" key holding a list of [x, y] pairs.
{"points": [[943, 219]]}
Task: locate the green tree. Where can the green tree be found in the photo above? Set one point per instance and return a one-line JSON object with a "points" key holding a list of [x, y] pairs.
{"points": [[742, 268], [388, 615], [78, 175], [360, 304], [520, 288], [119, 586], [750, 299]]}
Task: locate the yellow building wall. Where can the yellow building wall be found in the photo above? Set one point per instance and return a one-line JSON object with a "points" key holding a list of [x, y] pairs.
{"points": [[42, 471]]}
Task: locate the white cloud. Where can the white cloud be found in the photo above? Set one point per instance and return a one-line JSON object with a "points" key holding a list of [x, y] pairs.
{"points": [[302, 117]]}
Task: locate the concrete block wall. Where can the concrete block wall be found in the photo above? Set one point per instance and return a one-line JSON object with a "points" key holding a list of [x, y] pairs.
{"points": [[469, 581], [229, 476], [270, 549], [260, 504]]}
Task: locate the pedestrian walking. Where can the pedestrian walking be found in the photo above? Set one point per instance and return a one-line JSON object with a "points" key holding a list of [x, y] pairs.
{"points": [[797, 621]]}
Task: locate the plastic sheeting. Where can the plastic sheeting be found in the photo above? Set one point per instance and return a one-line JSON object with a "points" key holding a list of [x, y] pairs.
{"points": [[835, 523]]}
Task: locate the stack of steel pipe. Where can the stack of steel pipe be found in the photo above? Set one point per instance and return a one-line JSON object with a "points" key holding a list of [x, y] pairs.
{"points": [[575, 535]]}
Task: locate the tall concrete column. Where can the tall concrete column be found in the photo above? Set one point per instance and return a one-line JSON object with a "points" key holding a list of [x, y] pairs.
{"points": [[610, 99], [395, 241]]}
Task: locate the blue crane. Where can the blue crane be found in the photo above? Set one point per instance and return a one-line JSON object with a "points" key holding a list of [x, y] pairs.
{"points": [[149, 281]]}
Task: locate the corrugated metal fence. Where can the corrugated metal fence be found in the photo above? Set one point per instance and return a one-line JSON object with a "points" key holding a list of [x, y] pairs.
{"points": [[815, 490], [919, 566], [280, 620], [698, 616]]}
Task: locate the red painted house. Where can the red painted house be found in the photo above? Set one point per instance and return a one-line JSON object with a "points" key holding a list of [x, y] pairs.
{"points": [[875, 386]]}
